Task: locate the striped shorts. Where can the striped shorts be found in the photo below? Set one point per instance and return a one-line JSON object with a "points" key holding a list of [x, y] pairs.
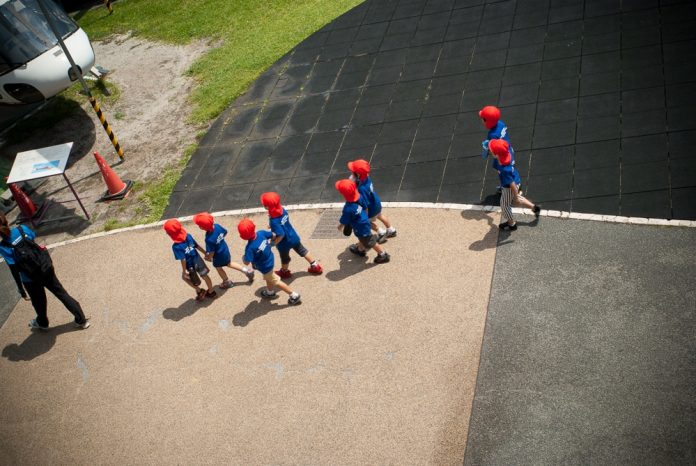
{"points": [[506, 202]]}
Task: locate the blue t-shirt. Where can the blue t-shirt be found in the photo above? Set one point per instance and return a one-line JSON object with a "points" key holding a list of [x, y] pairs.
{"points": [[281, 226], [7, 251], [507, 174], [258, 251], [501, 132], [186, 250], [369, 198], [355, 215], [215, 243]]}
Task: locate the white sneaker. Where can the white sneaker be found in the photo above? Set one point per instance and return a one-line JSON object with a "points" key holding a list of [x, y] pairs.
{"points": [[391, 232], [34, 324], [83, 325]]}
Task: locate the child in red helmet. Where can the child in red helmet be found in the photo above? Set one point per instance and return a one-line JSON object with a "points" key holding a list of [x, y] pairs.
{"points": [[490, 116], [285, 237], [216, 249], [186, 250], [355, 216], [510, 194], [369, 199], [258, 253]]}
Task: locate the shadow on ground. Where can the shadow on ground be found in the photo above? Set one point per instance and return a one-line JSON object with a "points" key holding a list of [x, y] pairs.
{"points": [[37, 343], [349, 264], [256, 309]]}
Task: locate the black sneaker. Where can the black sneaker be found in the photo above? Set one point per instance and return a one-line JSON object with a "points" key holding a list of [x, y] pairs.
{"points": [[507, 227], [381, 238], [536, 210], [268, 294], [355, 250], [382, 258], [296, 300]]}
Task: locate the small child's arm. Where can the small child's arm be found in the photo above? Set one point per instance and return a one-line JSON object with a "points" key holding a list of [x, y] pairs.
{"points": [[184, 272]]}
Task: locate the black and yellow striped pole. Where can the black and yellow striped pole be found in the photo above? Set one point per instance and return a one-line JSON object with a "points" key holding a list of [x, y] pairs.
{"points": [[76, 71], [108, 5], [105, 124]]}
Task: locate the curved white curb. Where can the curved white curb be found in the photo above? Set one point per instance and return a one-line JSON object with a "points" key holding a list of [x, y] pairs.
{"points": [[414, 205]]}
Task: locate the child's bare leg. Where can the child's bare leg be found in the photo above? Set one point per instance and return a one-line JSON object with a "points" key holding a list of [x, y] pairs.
{"points": [[308, 257], [208, 282], [378, 249], [522, 201], [222, 273], [282, 286], [383, 218], [236, 266], [190, 283]]}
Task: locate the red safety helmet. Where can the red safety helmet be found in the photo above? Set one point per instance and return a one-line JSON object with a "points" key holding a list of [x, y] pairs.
{"points": [[490, 116], [348, 190], [271, 201], [246, 229], [360, 167], [204, 221], [501, 149], [175, 231]]}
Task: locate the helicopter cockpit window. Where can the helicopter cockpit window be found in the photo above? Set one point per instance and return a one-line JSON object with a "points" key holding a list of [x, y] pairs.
{"points": [[25, 33]]}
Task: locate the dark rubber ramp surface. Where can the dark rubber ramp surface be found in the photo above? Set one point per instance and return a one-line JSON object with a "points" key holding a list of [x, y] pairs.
{"points": [[589, 355], [598, 97]]}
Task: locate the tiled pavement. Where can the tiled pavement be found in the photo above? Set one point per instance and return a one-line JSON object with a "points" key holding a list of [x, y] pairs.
{"points": [[598, 96]]}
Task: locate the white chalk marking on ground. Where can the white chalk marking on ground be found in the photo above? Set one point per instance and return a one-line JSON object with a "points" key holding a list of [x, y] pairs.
{"points": [[279, 369], [83, 368], [151, 319], [224, 324]]}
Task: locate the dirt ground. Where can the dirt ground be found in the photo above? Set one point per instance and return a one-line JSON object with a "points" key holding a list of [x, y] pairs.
{"points": [[149, 120]]}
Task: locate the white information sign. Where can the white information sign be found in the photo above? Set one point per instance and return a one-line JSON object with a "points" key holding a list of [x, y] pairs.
{"points": [[40, 163]]}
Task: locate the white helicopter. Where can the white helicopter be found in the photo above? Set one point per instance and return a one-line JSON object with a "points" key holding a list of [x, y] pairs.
{"points": [[33, 67]]}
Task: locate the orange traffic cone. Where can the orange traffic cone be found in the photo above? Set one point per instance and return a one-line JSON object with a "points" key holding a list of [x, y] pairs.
{"points": [[116, 189], [24, 202]]}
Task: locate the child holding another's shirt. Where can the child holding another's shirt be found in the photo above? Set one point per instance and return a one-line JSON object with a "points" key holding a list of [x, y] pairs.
{"points": [[259, 254], [285, 237], [216, 249], [370, 200], [510, 193], [186, 250], [355, 216], [490, 116]]}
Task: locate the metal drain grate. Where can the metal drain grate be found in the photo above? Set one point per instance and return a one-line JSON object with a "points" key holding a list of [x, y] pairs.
{"points": [[326, 226]]}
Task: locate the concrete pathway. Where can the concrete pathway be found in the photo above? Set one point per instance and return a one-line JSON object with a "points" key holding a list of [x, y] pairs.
{"points": [[567, 341]]}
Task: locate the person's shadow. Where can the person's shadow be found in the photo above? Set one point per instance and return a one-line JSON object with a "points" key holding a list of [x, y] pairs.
{"points": [[190, 307], [349, 264], [489, 239], [37, 343], [256, 309]]}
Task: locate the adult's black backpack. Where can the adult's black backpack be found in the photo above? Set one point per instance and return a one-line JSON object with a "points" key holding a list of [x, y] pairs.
{"points": [[30, 258]]}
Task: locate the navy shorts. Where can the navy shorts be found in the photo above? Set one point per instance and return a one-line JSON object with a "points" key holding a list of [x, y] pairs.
{"points": [[285, 252]]}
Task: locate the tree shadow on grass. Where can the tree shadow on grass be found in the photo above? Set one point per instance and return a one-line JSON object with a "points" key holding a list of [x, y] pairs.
{"points": [[349, 264], [256, 309], [37, 343]]}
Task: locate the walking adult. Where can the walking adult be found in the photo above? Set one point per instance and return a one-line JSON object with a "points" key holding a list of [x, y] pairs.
{"points": [[36, 286]]}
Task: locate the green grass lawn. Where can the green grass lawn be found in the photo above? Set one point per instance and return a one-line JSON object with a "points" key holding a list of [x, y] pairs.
{"points": [[253, 34]]}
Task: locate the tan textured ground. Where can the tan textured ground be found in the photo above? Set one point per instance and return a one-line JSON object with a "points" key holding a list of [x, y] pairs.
{"points": [[377, 366]]}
